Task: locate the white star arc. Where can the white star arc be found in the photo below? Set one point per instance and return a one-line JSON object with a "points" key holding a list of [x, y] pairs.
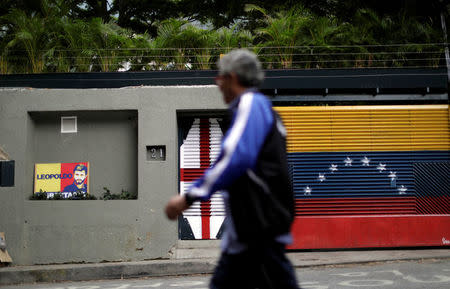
{"points": [[321, 177], [381, 167], [348, 162], [307, 191], [365, 161], [333, 168], [402, 190]]}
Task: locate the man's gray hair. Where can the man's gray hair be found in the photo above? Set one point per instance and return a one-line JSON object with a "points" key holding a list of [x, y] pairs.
{"points": [[244, 64]]}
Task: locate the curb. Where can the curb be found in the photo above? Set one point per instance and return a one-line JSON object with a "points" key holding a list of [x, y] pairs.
{"points": [[318, 259], [85, 272], [178, 267]]}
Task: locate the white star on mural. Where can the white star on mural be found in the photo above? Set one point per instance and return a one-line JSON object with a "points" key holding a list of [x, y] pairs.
{"points": [[393, 175], [348, 162], [321, 177], [307, 191], [402, 190], [365, 161], [381, 167], [333, 168]]}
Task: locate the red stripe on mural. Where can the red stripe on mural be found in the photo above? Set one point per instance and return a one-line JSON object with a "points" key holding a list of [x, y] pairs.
{"points": [[373, 206], [204, 143], [355, 206], [190, 174], [205, 207], [370, 231], [433, 205]]}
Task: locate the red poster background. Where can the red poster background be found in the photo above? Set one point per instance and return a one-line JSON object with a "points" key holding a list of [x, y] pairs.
{"points": [[67, 168]]}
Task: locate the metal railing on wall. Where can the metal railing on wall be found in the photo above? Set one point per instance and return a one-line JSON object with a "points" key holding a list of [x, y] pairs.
{"points": [[416, 55]]}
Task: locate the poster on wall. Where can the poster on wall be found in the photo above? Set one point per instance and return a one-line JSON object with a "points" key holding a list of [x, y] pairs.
{"points": [[64, 178]]}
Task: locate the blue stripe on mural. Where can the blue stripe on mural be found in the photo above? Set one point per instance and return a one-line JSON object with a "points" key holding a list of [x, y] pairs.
{"points": [[358, 174]]}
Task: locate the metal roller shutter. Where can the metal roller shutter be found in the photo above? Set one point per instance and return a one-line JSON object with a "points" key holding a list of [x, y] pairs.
{"points": [[198, 151], [369, 161]]}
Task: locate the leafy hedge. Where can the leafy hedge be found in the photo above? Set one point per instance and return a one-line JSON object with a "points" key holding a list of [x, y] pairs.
{"points": [[284, 40]]}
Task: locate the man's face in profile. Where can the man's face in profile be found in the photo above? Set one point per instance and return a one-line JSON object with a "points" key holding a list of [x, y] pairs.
{"points": [[79, 177], [224, 82]]}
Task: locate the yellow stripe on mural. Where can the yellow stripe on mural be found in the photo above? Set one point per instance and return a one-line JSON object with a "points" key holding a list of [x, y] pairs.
{"points": [[366, 128]]}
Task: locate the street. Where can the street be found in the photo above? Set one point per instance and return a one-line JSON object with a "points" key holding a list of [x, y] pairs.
{"points": [[427, 274]]}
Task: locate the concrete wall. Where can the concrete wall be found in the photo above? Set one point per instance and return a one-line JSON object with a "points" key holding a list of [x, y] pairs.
{"points": [[107, 139], [43, 232]]}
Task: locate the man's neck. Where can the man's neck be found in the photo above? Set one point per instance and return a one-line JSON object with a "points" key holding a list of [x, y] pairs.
{"points": [[243, 90], [239, 90]]}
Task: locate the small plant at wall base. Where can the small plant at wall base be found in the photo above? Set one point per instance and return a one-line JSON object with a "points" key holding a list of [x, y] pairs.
{"points": [[124, 195], [81, 196], [107, 195], [42, 195], [39, 196]]}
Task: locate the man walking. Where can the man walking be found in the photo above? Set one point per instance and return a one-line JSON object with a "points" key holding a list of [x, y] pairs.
{"points": [[252, 172]]}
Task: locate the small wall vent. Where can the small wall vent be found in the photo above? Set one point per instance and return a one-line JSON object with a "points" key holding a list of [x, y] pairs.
{"points": [[68, 124]]}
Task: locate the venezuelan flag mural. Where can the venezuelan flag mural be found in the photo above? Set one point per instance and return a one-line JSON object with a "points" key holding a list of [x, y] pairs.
{"points": [[64, 178], [369, 176]]}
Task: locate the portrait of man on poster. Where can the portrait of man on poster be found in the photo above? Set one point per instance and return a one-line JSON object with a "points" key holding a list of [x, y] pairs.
{"points": [[80, 173]]}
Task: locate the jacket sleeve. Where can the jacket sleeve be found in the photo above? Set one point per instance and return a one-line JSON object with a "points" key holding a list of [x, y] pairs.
{"points": [[240, 147]]}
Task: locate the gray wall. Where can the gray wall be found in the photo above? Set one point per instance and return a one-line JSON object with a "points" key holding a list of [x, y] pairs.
{"points": [[43, 232], [107, 139]]}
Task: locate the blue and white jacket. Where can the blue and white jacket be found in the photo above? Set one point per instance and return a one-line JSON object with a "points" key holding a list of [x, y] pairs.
{"points": [[252, 122]]}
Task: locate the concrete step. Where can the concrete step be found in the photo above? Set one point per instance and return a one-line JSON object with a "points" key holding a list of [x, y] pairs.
{"points": [[195, 249], [196, 244]]}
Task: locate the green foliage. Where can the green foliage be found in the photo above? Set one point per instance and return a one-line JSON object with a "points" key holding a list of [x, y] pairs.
{"points": [[107, 195], [230, 38], [27, 39], [124, 195], [47, 38], [281, 33], [42, 195], [52, 42], [39, 196], [297, 38]]}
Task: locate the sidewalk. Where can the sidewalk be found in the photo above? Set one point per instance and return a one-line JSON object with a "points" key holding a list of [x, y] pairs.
{"points": [[154, 268]]}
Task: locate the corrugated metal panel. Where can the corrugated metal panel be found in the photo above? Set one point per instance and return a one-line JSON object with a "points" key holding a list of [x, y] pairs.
{"points": [[357, 174], [432, 186], [198, 151], [324, 185], [366, 128], [371, 231], [359, 160], [355, 206], [342, 183], [369, 176]]}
